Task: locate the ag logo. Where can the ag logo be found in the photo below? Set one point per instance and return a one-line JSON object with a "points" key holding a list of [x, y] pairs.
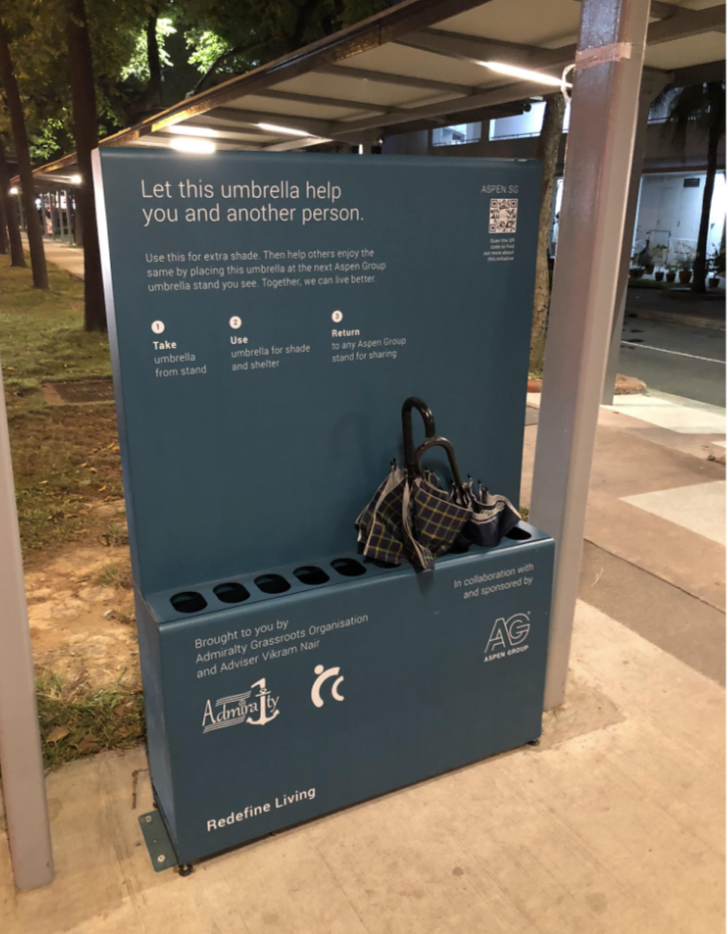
{"points": [[508, 636]]}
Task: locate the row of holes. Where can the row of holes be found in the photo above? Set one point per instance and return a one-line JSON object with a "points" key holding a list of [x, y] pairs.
{"points": [[190, 601]]}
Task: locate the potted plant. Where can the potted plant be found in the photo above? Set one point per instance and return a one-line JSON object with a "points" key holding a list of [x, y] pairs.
{"points": [[671, 272], [685, 265], [659, 253], [716, 267], [635, 270]]}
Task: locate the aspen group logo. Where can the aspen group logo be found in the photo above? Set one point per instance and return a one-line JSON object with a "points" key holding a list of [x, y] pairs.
{"points": [[253, 709], [508, 637]]}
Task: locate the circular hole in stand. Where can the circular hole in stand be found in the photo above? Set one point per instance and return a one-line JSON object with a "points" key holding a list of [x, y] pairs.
{"points": [[348, 567], [519, 535], [272, 583], [311, 575], [231, 593], [188, 602]]}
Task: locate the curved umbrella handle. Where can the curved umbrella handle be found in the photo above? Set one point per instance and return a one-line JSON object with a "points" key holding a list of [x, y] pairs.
{"points": [[427, 417], [439, 443]]}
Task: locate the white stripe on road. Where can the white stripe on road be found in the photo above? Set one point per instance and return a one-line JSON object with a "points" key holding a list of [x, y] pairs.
{"points": [[676, 352]]}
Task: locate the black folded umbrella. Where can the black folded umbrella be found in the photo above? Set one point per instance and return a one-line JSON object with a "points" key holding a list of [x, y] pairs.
{"points": [[492, 517]]}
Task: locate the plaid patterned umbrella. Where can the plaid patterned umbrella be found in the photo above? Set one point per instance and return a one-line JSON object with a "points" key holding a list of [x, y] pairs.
{"points": [[413, 518], [491, 516], [380, 522], [432, 519]]}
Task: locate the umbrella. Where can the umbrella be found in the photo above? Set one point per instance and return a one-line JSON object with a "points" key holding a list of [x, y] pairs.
{"points": [[431, 518], [380, 522], [492, 516], [412, 517]]}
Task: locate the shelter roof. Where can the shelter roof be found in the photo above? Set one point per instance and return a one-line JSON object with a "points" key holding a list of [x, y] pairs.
{"points": [[415, 65]]}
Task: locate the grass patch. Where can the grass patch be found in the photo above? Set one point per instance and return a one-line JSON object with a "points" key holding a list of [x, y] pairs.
{"points": [[114, 575], [65, 458], [116, 535], [75, 723]]}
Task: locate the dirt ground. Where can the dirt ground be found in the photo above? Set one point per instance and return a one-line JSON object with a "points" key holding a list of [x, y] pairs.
{"points": [[81, 610]]}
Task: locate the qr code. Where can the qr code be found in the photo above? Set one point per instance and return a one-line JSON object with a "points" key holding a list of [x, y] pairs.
{"points": [[503, 215]]}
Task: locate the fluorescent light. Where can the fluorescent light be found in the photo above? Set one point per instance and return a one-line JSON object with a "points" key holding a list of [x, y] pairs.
{"points": [[13, 191], [274, 128], [527, 74], [193, 145], [183, 130], [76, 179]]}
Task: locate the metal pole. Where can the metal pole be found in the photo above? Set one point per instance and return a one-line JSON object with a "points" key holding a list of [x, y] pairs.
{"points": [[652, 83], [21, 760], [21, 212], [55, 220], [596, 179]]}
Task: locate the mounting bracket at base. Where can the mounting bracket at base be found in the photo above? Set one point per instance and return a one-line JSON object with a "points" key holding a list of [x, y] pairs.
{"points": [[159, 846]]}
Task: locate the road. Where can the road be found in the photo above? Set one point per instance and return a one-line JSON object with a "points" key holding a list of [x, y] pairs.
{"points": [[674, 358]]}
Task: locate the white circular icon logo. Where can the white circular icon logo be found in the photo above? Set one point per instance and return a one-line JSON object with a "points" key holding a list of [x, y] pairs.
{"points": [[337, 316], [235, 322], [157, 326]]}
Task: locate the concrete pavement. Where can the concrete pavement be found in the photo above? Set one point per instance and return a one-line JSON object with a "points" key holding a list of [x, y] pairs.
{"points": [[613, 825], [65, 257]]}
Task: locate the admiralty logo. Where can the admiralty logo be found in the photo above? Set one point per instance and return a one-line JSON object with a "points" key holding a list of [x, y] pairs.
{"points": [[508, 637], [255, 710]]}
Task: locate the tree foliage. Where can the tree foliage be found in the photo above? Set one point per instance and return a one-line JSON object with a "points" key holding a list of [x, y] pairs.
{"points": [[150, 54]]}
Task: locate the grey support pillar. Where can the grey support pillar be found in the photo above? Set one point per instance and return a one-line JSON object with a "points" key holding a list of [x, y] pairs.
{"points": [[604, 106], [21, 762], [653, 82]]}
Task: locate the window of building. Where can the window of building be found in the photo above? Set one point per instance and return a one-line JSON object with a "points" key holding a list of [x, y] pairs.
{"points": [[528, 123], [457, 135]]}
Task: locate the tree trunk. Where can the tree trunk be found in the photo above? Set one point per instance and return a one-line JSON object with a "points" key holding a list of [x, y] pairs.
{"points": [[548, 152], [25, 169], [700, 265], [85, 131], [153, 60], [3, 229], [17, 257]]}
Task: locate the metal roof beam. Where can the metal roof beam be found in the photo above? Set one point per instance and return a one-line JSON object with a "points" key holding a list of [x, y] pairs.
{"points": [[689, 23], [489, 98], [327, 101], [385, 77], [666, 10], [253, 118], [467, 48]]}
